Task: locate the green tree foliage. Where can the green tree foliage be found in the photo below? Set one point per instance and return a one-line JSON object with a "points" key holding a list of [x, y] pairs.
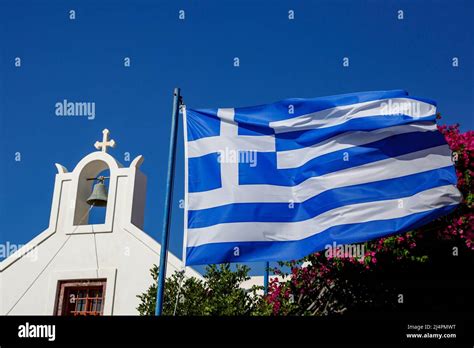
{"points": [[220, 293]]}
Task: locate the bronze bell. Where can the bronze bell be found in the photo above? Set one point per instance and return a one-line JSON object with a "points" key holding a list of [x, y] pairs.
{"points": [[98, 197]]}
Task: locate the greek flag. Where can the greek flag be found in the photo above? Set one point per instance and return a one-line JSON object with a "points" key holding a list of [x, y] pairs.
{"points": [[283, 180]]}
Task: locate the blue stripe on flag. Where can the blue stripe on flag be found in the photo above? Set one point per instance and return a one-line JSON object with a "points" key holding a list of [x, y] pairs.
{"points": [[254, 130]]}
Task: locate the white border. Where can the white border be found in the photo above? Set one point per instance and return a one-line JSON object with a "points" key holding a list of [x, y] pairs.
{"points": [[185, 226]]}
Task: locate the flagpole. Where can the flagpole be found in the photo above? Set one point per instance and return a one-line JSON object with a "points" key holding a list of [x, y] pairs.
{"points": [[165, 232], [266, 275]]}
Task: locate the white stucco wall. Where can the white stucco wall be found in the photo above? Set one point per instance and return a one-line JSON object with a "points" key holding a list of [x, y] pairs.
{"points": [[117, 250]]}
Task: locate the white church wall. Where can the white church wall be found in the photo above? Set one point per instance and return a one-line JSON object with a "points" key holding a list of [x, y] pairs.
{"points": [[131, 257], [24, 287]]}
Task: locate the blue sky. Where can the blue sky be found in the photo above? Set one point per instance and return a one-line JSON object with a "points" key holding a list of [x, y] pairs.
{"points": [[82, 60]]}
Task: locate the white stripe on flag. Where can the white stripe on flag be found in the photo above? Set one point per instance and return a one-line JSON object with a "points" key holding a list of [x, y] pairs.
{"points": [[204, 146]]}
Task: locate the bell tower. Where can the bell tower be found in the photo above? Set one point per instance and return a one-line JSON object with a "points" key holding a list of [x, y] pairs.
{"points": [[77, 192]]}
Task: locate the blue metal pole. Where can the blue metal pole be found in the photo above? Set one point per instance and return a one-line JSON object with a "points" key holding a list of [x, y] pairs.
{"points": [[265, 277], [165, 232]]}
